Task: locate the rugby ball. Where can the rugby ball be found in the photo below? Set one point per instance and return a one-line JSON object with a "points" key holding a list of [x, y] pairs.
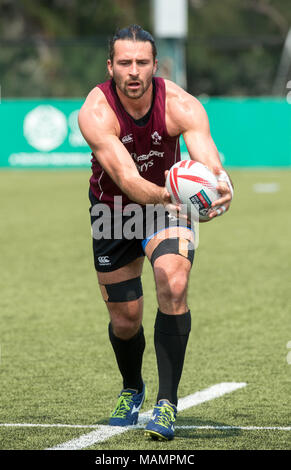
{"points": [[192, 185]]}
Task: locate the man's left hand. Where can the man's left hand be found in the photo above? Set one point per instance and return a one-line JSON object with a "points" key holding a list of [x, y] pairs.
{"points": [[225, 189]]}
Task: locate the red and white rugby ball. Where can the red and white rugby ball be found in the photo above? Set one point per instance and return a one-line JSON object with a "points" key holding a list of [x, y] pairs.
{"points": [[192, 184]]}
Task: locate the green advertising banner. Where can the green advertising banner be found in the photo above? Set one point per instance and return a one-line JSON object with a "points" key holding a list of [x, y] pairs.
{"points": [[251, 132], [45, 133], [42, 134]]}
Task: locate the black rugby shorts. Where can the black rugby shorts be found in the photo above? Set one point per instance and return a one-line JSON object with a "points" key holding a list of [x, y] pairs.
{"points": [[118, 238]]}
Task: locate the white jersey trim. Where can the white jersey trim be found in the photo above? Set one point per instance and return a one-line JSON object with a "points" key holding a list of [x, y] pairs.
{"points": [[99, 184]]}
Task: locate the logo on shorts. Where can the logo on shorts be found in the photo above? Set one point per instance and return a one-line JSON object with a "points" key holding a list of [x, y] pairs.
{"points": [[104, 260], [156, 138]]}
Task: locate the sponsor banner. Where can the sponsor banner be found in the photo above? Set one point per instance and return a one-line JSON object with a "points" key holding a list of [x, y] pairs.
{"points": [[251, 132], [248, 132], [42, 134]]}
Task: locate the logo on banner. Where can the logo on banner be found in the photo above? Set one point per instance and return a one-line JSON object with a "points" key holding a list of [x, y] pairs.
{"points": [[45, 128]]}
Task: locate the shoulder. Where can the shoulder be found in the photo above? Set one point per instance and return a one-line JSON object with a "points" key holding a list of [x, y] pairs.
{"points": [[183, 110], [97, 115]]}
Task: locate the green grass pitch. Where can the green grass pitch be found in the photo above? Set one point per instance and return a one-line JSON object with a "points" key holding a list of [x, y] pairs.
{"points": [[56, 363]]}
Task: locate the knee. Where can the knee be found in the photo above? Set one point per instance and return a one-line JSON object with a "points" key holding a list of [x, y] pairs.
{"points": [[171, 284], [125, 321], [124, 328]]}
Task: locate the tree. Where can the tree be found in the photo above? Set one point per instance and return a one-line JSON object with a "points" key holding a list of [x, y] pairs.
{"points": [[59, 47]]}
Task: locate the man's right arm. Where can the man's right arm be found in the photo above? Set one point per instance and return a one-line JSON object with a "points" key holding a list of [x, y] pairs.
{"points": [[100, 129]]}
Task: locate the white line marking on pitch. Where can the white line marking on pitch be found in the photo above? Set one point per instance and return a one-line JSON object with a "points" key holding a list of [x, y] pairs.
{"points": [[140, 426], [243, 428], [266, 187], [31, 425], [102, 433]]}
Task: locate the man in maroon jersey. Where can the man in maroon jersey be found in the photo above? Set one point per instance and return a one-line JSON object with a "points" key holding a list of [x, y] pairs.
{"points": [[132, 123]]}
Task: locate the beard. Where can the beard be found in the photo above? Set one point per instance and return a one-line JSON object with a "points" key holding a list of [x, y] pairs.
{"points": [[124, 86]]}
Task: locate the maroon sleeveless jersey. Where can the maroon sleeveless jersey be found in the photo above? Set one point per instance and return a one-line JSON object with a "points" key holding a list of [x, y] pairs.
{"points": [[150, 146]]}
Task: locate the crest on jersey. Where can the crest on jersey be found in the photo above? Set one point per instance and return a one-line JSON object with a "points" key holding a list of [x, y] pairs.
{"points": [[156, 138]]}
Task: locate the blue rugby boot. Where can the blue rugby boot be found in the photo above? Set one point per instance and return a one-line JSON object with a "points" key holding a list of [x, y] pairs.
{"points": [[127, 408], [161, 425]]}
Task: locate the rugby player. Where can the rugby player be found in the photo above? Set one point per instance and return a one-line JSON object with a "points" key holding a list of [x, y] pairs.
{"points": [[132, 123]]}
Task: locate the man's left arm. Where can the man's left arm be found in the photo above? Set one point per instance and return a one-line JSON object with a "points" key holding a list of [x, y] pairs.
{"points": [[201, 148]]}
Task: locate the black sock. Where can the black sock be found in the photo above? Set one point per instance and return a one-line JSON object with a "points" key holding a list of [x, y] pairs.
{"points": [[129, 355], [171, 337]]}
